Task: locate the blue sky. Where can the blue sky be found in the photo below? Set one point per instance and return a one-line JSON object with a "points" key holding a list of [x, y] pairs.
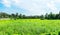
{"points": [[30, 7]]}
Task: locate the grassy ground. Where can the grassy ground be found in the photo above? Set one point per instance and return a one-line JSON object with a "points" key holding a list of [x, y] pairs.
{"points": [[29, 27]]}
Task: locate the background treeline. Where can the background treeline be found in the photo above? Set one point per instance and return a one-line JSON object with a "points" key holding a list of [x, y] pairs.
{"points": [[20, 16]]}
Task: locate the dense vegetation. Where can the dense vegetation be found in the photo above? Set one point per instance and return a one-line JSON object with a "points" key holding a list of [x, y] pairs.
{"points": [[29, 27], [20, 16]]}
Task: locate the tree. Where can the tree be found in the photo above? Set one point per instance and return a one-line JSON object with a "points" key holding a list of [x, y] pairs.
{"points": [[42, 17], [51, 16], [58, 15], [16, 16], [20, 16], [24, 16], [13, 16], [4, 15], [46, 16]]}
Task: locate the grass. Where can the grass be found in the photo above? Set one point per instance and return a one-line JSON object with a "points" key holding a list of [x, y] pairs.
{"points": [[29, 27]]}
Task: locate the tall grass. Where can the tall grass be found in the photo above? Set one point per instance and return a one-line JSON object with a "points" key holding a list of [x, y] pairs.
{"points": [[29, 27]]}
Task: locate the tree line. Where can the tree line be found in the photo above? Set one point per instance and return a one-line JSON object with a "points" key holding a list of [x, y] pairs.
{"points": [[20, 16]]}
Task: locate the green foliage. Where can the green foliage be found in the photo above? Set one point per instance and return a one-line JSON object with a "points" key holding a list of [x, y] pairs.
{"points": [[29, 27], [42, 17], [21, 16]]}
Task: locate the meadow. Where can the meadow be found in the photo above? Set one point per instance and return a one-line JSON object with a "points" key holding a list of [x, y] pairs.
{"points": [[29, 27]]}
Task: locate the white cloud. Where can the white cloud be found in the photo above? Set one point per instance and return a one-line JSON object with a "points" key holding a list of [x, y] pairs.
{"points": [[7, 3], [58, 1], [34, 6], [16, 1], [51, 6]]}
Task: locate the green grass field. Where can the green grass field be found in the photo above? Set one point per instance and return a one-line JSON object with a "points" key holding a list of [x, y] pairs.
{"points": [[29, 27]]}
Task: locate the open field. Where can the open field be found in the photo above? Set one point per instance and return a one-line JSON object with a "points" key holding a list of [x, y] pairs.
{"points": [[29, 27]]}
